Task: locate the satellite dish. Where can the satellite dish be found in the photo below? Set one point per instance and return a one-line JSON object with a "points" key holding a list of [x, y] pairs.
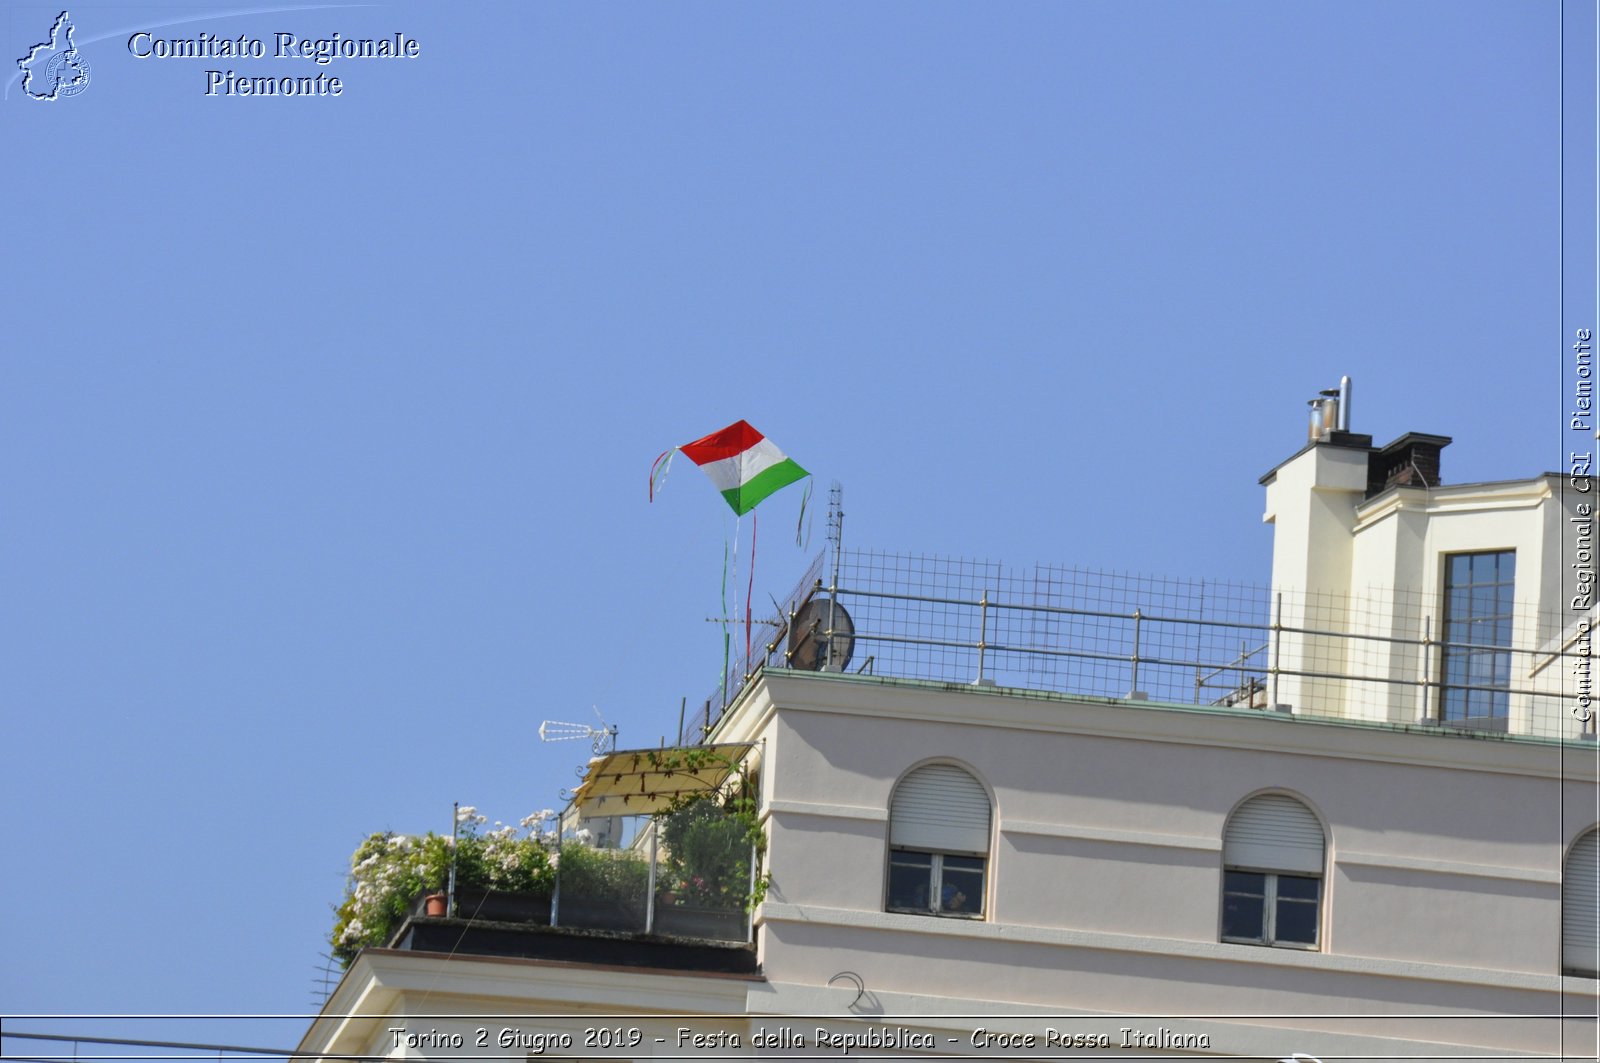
{"points": [[811, 648]]}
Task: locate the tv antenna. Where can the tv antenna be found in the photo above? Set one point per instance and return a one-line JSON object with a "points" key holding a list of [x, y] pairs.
{"points": [[322, 987], [603, 737]]}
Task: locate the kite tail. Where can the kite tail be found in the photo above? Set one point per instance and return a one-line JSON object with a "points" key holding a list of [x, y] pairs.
{"points": [[724, 619], [802, 530], [727, 642], [749, 590], [658, 471]]}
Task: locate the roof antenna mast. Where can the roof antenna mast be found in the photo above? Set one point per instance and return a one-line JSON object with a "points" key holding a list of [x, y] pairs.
{"points": [[836, 524], [836, 540]]}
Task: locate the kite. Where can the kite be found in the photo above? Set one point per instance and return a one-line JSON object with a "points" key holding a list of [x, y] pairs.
{"points": [[743, 464], [746, 467]]}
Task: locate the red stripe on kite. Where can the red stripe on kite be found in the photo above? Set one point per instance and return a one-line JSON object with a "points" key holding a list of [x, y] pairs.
{"points": [[737, 438]]}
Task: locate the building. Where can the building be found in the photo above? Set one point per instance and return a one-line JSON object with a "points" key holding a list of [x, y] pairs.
{"points": [[1354, 816]]}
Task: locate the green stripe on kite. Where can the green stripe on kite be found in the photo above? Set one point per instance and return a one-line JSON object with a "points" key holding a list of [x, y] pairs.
{"points": [[749, 494]]}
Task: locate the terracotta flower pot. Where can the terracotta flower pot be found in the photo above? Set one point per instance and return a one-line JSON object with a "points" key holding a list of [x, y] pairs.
{"points": [[435, 904]]}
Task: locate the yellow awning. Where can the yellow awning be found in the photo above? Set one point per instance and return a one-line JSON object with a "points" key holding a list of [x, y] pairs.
{"points": [[640, 782]]}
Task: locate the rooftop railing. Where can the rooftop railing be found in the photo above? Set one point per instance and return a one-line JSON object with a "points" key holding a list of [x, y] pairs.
{"points": [[1375, 655]]}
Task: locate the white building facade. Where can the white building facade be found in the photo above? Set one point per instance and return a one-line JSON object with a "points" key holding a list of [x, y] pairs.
{"points": [[1384, 849]]}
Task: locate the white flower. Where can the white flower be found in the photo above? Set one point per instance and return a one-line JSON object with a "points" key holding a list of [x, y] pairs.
{"points": [[584, 835], [466, 814]]}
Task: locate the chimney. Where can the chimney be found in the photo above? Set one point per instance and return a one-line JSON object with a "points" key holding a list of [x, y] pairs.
{"points": [[1330, 418], [1410, 461]]}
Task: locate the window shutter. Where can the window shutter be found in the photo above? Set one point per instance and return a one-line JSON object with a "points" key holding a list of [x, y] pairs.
{"points": [[1580, 896], [940, 807], [1274, 833]]}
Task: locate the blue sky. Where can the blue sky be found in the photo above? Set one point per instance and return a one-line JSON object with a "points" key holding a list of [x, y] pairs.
{"points": [[325, 422]]}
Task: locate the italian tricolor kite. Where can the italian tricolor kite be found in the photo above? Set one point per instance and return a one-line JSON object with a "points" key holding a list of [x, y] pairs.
{"points": [[743, 464], [746, 467]]}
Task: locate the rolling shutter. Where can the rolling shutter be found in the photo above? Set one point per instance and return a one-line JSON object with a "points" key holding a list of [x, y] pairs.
{"points": [[942, 808], [1580, 897], [1274, 833]]}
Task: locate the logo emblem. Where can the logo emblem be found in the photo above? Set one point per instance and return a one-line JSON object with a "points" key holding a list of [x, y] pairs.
{"points": [[54, 69]]}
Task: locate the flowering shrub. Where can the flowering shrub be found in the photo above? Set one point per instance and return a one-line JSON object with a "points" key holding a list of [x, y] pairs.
{"points": [[713, 837], [708, 854], [387, 871]]}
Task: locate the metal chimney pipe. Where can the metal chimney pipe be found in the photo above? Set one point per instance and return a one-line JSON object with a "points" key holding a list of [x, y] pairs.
{"points": [[1344, 404], [1330, 411]]}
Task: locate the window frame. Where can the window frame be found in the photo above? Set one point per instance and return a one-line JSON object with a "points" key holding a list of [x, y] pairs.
{"points": [[1570, 970], [1269, 909], [940, 810], [1274, 834], [1457, 645], [936, 883]]}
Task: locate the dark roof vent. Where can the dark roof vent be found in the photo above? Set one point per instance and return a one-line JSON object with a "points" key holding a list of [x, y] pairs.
{"points": [[1410, 461]]}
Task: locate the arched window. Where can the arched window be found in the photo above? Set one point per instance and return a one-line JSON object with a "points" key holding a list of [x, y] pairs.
{"points": [[1272, 874], [1580, 899], [938, 843]]}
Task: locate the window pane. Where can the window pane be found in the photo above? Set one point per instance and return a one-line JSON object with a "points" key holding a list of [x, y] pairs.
{"points": [[1298, 887], [1478, 612], [910, 875], [964, 863], [1297, 922], [961, 890], [1244, 882], [1241, 916], [906, 858]]}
